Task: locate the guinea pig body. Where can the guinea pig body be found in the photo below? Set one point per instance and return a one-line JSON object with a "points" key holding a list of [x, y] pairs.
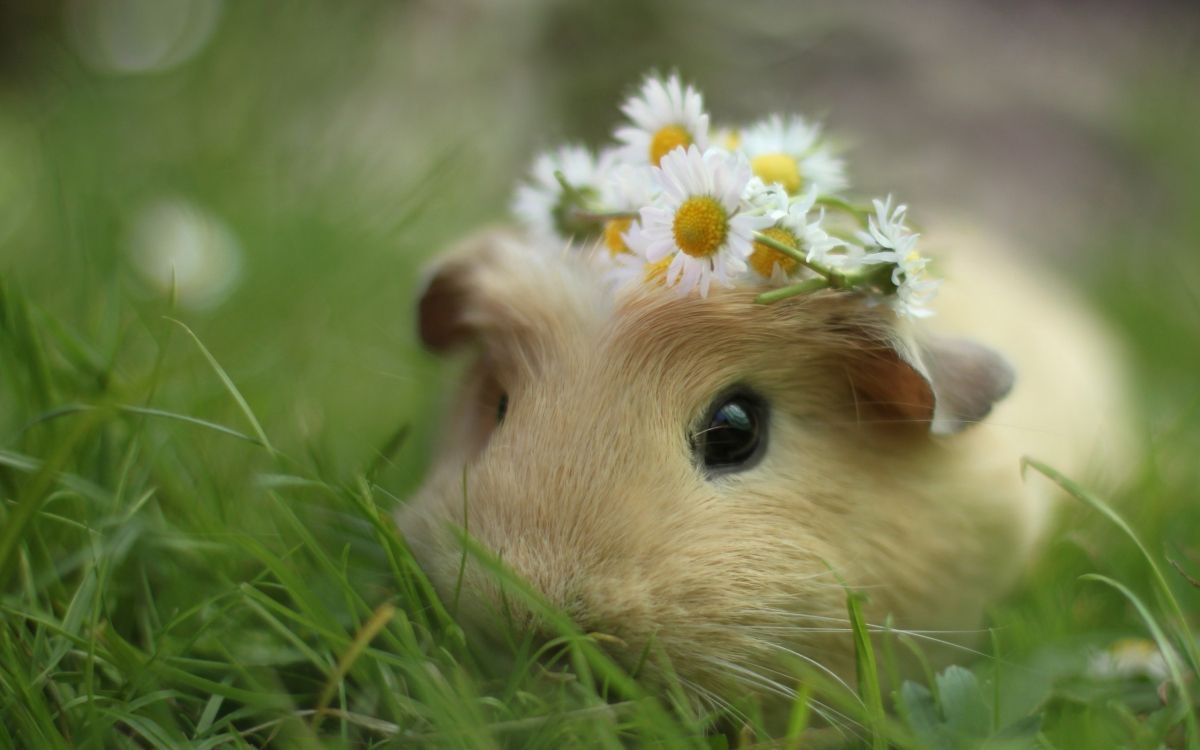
{"points": [[574, 455]]}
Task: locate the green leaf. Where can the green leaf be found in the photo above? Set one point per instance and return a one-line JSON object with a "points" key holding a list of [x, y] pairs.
{"points": [[918, 709], [964, 706]]}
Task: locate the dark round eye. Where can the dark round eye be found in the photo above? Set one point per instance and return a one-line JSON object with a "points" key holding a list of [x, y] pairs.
{"points": [[501, 408], [734, 433]]}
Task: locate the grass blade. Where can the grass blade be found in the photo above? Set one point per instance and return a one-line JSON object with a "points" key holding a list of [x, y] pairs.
{"points": [[378, 621], [868, 671], [214, 426], [1188, 642], [1164, 647], [229, 386]]}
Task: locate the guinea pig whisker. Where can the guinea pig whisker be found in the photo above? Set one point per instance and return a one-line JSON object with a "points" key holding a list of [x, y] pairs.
{"points": [[821, 667], [750, 677], [925, 635], [755, 679], [928, 635], [716, 704], [837, 719], [799, 629], [849, 722], [707, 430], [921, 635], [842, 724], [789, 629], [791, 615]]}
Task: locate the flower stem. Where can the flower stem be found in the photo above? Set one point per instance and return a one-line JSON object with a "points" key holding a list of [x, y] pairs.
{"points": [[859, 213], [804, 287], [878, 276], [569, 190], [792, 253], [604, 215]]}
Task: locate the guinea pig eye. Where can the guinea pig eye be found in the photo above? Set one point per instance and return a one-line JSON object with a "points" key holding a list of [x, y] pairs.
{"points": [[733, 434], [501, 407]]}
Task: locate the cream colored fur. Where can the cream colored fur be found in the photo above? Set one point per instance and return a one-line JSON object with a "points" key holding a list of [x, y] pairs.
{"points": [[588, 489]]}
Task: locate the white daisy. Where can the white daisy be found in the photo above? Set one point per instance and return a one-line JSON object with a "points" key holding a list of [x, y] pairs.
{"points": [[848, 257], [700, 222], [915, 289], [727, 138], [769, 198], [627, 188], [889, 240], [792, 153], [1129, 658], [887, 234], [544, 207], [664, 115], [793, 228], [632, 267]]}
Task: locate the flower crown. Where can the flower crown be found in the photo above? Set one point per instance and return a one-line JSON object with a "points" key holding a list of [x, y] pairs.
{"points": [[680, 204]]}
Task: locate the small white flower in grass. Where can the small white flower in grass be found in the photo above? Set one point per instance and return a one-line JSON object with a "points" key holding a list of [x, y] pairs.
{"points": [[700, 222], [664, 115], [792, 153], [1129, 658], [544, 207]]}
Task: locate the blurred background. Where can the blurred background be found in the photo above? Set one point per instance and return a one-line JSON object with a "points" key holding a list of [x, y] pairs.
{"points": [[294, 164]]}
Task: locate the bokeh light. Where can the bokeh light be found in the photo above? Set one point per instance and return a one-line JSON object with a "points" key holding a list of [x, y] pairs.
{"points": [[176, 245], [140, 36]]}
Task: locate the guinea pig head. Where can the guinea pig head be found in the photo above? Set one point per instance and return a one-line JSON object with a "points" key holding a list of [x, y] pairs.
{"points": [[701, 478]]}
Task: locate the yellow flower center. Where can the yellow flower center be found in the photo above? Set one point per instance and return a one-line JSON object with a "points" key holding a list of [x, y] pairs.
{"points": [[701, 226], [667, 140], [613, 229], [765, 258], [779, 168], [657, 271]]}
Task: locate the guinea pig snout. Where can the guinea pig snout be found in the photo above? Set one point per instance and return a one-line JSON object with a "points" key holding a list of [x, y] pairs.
{"points": [[537, 583], [541, 589]]}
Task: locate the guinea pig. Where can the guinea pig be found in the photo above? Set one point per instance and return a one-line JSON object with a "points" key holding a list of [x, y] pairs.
{"points": [[710, 475]]}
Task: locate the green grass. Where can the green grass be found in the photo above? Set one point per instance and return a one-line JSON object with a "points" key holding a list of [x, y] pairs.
{"points": [[195, 539]]}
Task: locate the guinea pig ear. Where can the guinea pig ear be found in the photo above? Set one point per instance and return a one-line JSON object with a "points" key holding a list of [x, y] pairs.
{"points": [[514, 293], [968, 379], [946, 382], [439, 310], [444, 309]]}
